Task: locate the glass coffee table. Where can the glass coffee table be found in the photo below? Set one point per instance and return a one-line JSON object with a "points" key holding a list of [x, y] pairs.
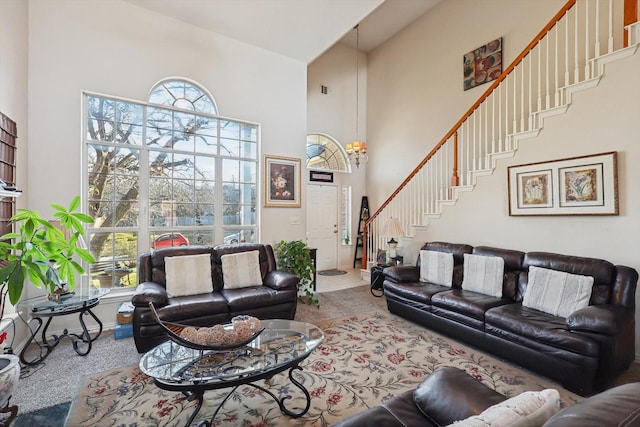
{"points": [[281, 346], [81, 301]]}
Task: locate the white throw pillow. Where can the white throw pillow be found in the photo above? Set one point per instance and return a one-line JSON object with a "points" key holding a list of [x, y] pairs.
{"points": [[188, 275], [436, 267], [241, 270], [528, 409], [556, 292], [483, 274]]}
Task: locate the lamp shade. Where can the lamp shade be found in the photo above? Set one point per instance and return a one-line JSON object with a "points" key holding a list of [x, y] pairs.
{"points": [[392, 228]]}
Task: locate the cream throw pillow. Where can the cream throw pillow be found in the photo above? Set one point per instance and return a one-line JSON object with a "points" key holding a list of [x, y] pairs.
{"points": [[241, 270], [528, 409], [436, 267], [556, 292], [483, 274], [188, 275]]}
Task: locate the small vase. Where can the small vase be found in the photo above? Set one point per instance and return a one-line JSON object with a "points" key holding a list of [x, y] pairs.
{"points": [[9, 375]]}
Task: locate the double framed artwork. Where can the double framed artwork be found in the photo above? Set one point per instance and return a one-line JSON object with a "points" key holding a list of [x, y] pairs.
{"points": [[586, 185]]}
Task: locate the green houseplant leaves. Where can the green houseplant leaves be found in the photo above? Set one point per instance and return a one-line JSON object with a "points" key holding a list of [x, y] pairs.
{"points": [[295, 257], [41, 252]]}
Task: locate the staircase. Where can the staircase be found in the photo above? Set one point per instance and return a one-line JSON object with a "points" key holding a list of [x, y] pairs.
{"points": [[567, 56]]}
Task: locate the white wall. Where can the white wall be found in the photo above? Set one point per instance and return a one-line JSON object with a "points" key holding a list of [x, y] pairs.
{"points": [[13, 98], [115, 48], [334, 114], [414, 89], [599, 120], [13, 79]]}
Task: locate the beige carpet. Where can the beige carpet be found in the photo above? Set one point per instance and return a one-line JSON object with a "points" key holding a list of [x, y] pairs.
{"points": [[366, 358]]}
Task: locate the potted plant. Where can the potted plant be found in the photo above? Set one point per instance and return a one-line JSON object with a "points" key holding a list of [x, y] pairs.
{"points": [[295, 257], [42, 252]]}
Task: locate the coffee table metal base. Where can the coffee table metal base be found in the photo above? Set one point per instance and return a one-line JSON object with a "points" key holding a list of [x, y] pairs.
{"points": [[195, 391]]}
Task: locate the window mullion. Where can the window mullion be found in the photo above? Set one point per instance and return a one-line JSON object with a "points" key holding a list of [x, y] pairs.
{"points": [[143, 195]]}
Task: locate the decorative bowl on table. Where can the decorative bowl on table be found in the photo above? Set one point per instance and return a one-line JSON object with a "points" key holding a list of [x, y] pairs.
{"points": [[241, 331]]}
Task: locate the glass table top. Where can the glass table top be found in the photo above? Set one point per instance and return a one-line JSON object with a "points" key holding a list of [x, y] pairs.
{"points": [[82, 295], [282, 343]]}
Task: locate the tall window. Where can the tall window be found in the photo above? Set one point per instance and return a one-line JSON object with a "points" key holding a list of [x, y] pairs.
{"points": [[168, 172]]}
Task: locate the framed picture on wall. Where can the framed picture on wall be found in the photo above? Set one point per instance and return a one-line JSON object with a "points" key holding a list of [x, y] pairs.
{"points": [[586, 185], [281, 182], [482, 64]]}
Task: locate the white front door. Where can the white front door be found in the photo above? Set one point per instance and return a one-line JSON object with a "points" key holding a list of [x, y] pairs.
{"points": [[322, 224]]}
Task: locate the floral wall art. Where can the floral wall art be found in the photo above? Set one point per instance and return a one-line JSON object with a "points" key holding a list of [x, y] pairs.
{"points": [[586, 185]]}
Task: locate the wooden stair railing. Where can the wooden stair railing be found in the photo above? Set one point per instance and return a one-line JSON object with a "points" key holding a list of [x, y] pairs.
{"points": [[630, 16]]}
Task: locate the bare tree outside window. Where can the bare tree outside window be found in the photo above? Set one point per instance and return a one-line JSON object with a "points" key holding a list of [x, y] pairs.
{"points": [[159, 174]]}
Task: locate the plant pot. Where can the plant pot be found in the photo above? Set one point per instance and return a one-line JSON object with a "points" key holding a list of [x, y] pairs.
{"points": [[9, 375]]}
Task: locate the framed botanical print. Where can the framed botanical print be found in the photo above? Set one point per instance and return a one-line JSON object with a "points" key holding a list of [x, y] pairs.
{"points": [[281, 182]]}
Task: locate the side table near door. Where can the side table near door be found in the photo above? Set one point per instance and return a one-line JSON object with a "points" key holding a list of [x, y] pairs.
{"points": [[314, 255], [34, 310]]}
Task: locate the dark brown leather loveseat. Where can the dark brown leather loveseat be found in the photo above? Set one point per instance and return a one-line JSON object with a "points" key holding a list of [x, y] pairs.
{"points": [[584, 351], [448, 395], [275, 299]]}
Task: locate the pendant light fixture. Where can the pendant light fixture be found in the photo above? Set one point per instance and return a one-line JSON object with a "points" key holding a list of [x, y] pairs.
{"points": [[358, 150]]}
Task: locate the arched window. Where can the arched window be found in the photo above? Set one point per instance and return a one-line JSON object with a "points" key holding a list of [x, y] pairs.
{"points": [[168, 171], [325, 153], [183, 94]]}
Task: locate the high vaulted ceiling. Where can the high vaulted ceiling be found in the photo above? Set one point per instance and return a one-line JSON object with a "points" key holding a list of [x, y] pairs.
{"points": [[300, 29]]}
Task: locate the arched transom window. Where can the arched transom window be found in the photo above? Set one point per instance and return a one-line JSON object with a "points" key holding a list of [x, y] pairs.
{"points": [[183, 94], [325, 153]]}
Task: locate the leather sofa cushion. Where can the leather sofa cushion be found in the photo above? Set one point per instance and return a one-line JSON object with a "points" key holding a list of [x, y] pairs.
{"points": [[472, 304], [540, 327], [449, 394], [245, 299], [193, 307], [619, 406], [415, 291]]}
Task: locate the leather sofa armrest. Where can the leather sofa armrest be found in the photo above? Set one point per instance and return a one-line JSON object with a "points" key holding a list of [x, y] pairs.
{"points": [[402, 273], [280, 279], [606, 319], [449, 394], [619, 406], [147, 292], [399, 411]]}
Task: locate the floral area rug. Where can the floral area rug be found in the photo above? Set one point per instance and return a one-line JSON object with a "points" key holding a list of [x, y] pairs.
{"points": [[365, 359]]}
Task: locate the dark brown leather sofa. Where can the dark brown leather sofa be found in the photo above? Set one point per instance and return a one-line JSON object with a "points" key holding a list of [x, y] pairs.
{"points": [[275, 299], [448, 395], [584, 352]]}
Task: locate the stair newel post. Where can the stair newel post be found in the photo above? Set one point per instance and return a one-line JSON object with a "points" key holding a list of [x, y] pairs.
{"points": [[455, 179], [365, 249]]}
